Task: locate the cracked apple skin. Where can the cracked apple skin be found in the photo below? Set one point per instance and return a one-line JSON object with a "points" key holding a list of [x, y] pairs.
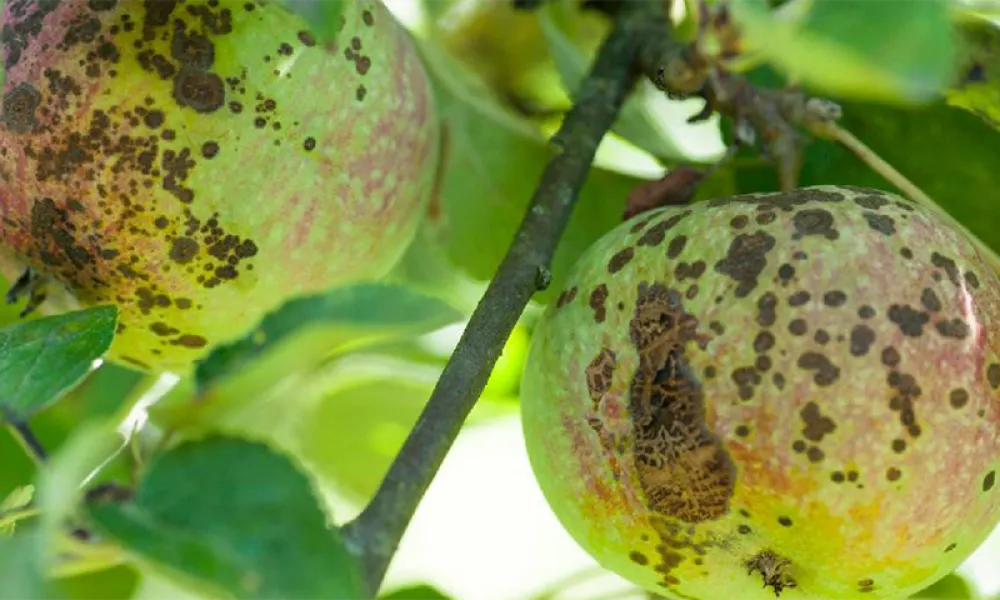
{"points": [[791, 393], [198, 163]]}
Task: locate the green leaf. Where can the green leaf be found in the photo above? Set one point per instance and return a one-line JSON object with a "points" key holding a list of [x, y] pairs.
{"points": [[237, 515], [416, 592], [348, 316], [950, 587], [493, 162], [40, 360], [857, 48], [21, 574], [324, 17]]}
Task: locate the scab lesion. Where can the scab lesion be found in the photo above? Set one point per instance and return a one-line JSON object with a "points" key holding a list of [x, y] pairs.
{"points": [[683, 469]]}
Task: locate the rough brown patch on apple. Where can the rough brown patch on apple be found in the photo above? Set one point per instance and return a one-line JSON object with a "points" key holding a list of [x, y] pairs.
{"points": [[684, 470]]}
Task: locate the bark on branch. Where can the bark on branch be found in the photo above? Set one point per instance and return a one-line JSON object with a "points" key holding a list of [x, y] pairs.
{"points": [[375, 534]]}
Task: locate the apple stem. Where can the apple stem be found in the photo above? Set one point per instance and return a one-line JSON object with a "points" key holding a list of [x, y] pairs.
{"points": [[25, 436]]}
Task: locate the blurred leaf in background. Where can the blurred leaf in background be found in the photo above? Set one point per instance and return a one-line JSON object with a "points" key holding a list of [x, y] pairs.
{"points": [[21, 573], [417, 592], [950, 587], [117, 583], [842, 47]]}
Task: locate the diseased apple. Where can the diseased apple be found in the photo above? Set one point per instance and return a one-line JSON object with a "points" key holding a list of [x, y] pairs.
{"points": [[789, 393], [199, 162]]}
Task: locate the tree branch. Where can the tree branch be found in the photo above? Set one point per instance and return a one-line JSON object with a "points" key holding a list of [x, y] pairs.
{"points": [[375, 534]]}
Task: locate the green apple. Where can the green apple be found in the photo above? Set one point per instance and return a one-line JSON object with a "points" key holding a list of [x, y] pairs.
{"points": [[789, 393], [197, 163]]}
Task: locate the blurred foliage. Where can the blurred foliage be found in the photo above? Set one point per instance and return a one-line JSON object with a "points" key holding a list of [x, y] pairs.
{"points": [[950, 587], [830, 47], [417, 592]]}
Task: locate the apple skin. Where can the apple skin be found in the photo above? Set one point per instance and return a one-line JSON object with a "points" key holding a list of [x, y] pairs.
{"points": [[198, 163], [791, 393]]}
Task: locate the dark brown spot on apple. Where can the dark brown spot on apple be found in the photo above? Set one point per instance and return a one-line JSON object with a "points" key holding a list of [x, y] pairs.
{"points": [[798, 327], [993, 375], [210, 149], [871, 202], [676, 246], [910, 321], [566, 297], [816, 424], [307, 39], [825, 371], [881, 223], [199, 90], [766, 304], [834, 298], [862, 338], [953, 328], [890, 356], [192, 49], [815, 221], [620, 259], [745, 260], [946, 264], [184, 250], [19, 106], [930, 300], [799, 298], [190, 341], [989, 481], [958, 398], [655, 235], [763, 342], [597, 298]]}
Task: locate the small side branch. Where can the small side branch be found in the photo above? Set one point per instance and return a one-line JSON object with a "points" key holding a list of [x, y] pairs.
{"points": [[22, 432], [375, 534]]}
